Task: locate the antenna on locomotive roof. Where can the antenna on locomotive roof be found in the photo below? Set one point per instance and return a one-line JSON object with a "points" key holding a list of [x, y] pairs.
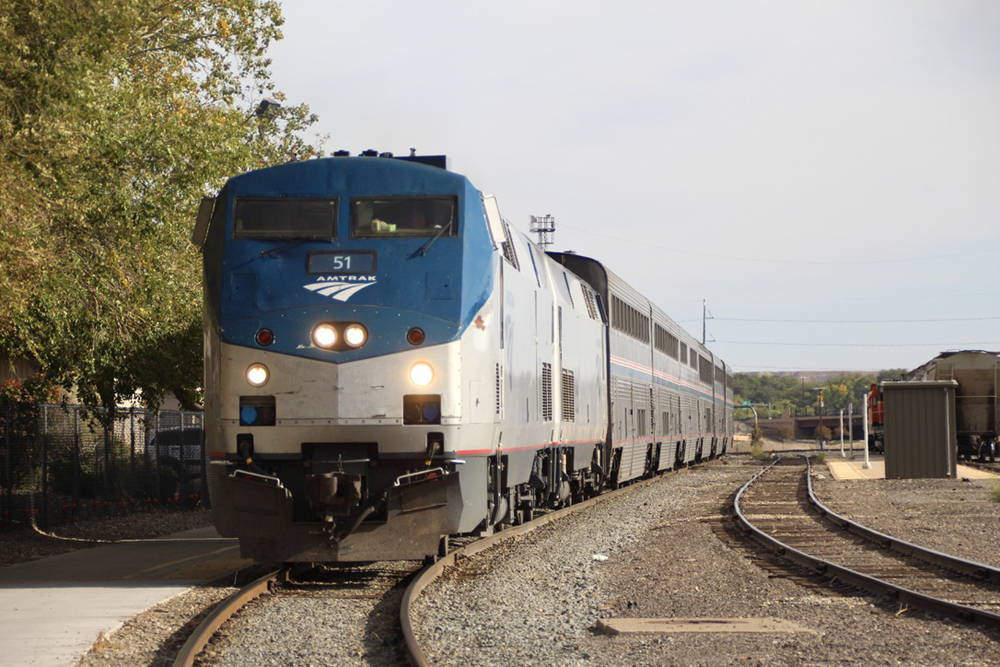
{"points": [[545, 227]]}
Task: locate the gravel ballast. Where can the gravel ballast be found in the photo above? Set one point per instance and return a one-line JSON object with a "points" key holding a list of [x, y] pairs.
{"points": [[652, 552], [349, 616], [538, 600]]}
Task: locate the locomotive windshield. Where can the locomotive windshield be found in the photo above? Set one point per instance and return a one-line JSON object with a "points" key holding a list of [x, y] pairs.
{"points": [[285, 218], [404, 216]]}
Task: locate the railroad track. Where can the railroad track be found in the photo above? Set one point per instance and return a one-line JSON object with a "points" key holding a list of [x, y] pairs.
{"points": [[198, 640], [369, 582], [347, 585], [364, 582], [778, 508]]}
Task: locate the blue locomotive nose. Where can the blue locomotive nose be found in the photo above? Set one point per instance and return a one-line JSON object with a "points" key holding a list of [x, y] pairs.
{"points": [[384, 245]]}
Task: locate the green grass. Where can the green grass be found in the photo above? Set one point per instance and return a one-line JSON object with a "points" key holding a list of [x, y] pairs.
{"points": [[995, 493]]}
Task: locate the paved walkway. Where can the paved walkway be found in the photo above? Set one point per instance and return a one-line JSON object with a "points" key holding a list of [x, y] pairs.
{"points": [[52, 610]]}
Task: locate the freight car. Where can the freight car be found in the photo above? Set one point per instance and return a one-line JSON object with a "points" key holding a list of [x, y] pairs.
{"points": [[388, 362], [976, 416]]}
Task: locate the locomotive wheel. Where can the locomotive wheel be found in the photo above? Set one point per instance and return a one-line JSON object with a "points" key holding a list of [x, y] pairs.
{"points": [[510, 518], [527, 510], [615, 466]]}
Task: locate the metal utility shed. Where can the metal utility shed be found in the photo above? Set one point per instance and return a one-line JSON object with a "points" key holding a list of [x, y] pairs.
{"points": [[920, 439]]}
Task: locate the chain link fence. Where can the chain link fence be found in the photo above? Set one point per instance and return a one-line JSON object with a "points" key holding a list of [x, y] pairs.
{"points": [[62, 463]]}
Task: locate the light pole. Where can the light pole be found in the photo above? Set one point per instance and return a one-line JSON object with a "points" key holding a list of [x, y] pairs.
{"points": [[822, 442], [865, 433], [841, 433], [850, 425]]}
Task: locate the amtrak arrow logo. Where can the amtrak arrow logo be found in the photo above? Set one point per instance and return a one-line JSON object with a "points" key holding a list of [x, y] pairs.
{"points": [[337, 290]]}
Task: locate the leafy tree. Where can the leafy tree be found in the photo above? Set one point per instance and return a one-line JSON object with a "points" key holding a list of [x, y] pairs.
{"points": [[802, 396], [116, 116]]}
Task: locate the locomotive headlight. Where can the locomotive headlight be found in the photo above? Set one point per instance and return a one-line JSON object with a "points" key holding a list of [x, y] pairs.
{"points": [[421, 374], [257, 375], [325, 336], [355, 335]]}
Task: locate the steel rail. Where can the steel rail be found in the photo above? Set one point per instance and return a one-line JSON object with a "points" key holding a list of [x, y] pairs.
{"points": [[866, 582], [947, 561], [222, 613], [431, 573]]}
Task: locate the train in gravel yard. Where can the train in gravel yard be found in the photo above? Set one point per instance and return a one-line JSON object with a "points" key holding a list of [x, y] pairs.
{"points": [[977, 406], [389, 363]]}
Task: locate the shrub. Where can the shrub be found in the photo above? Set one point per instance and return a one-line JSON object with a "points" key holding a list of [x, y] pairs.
{"points": [[757, 444]]}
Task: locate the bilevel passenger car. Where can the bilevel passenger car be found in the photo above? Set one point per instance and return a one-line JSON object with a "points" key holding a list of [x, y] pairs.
{"points": [[388, 363]]}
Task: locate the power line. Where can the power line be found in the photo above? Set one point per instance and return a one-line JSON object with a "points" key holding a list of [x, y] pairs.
{"points": [[809, 262], [800, 369], [875, 297], [959, 319], [949, 346]]}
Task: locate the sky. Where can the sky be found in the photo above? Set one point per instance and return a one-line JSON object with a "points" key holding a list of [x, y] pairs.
{"points": [[821, 178]]}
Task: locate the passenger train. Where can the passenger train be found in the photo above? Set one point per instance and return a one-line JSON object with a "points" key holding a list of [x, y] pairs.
{"points": [[389, 363]]}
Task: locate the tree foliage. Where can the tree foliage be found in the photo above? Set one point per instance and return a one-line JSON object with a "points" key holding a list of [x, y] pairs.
{"points": [[800, 396], [116, 117]]}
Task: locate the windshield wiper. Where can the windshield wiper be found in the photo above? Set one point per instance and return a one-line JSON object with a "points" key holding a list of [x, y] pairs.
{"points": [[269, 251], [427, 246]]}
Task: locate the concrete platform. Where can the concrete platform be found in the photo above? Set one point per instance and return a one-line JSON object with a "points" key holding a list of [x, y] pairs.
{"points": [[854, 469], [54, 609], [655, 626]]}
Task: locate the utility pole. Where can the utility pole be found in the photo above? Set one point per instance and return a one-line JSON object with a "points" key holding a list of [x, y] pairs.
{"points": [[822, 443], [705, 316]]}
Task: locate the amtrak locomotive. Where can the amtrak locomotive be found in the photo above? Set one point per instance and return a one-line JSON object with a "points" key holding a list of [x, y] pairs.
{"points": [[388, 363]]}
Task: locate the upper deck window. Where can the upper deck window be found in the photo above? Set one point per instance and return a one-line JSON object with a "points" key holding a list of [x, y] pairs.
{"points": [[404, 216], [285, 218]]}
